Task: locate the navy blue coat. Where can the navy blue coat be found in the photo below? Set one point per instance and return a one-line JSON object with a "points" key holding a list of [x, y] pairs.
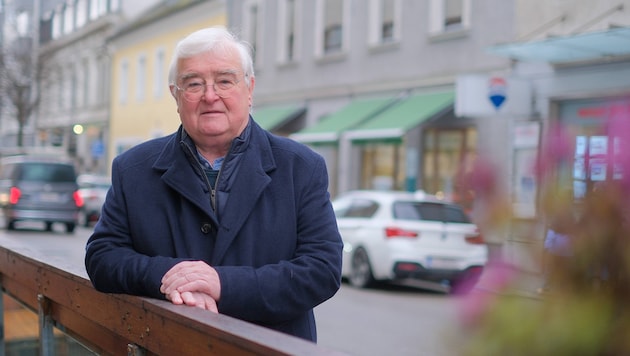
{"points": [[273, 240]]}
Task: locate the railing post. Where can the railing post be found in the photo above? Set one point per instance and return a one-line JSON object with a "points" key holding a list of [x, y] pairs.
{"points": [[135, 350], [2, 344], [46, 335]]}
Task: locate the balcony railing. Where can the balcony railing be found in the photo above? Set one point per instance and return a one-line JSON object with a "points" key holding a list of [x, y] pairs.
{"points": [[115, 324]]}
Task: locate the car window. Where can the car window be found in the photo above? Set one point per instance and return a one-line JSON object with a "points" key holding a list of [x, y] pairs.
{"points": [[6, 171], [358, 208], [455, 214], [46, 172], [429, 212]]}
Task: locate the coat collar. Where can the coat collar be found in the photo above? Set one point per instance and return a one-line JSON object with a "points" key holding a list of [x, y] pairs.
{"points": [[252, 160]]}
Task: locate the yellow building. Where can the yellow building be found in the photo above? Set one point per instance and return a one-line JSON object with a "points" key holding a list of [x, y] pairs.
{"points": [[142, 107]]}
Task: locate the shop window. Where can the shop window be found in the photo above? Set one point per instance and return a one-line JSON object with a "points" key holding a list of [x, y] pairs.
{"points": [[382, 166], [447, 154]]}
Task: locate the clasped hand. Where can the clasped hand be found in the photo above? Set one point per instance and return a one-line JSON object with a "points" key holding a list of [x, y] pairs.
{"points": [[193, 283]]}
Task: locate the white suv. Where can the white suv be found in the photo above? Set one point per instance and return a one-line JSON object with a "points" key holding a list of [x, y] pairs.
{"points": [[408, 238]]}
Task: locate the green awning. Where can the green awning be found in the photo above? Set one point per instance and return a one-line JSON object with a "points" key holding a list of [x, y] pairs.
{"points": [[398, 119], [272, 117], [351, 115]]}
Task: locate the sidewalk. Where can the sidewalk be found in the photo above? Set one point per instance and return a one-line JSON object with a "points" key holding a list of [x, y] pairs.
{"points": [[497, 274]]}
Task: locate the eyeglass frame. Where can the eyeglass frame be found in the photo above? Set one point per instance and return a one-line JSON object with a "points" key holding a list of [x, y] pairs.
{"points": [[220, 93]]}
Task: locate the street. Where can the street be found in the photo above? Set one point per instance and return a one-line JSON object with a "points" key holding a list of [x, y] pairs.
{"points": [[388, 320]]}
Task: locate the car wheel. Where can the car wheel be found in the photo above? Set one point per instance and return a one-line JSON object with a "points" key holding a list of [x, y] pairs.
{"points": [[361, 271], [11, 225], [70, 227], [49, 226]]}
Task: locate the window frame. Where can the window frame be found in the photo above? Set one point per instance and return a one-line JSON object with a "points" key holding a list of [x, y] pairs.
{"points": [[253, 32], [376, 22], [320, 29], [288, 52], [437, 19]]}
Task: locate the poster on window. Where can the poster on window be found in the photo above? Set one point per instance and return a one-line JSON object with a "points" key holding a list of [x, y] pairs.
{"points": [[597, 169], [524, 204], [598, 145], [579, 169], [580, 145]]}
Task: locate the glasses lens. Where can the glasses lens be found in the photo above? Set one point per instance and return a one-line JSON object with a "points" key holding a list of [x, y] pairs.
{"points": [[223, 84]]}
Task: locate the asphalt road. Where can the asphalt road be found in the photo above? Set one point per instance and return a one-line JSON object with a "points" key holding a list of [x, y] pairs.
{"points": [[388, 320]]}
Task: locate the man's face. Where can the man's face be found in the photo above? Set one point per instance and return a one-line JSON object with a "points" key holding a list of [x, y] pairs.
{"points": [[213, 118]]}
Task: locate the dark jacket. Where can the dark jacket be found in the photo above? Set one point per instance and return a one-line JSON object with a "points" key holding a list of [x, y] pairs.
{"points": [[274, 243]]}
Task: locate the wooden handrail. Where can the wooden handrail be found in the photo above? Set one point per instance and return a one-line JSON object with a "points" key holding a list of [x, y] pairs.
{"points": [[115, 324]]}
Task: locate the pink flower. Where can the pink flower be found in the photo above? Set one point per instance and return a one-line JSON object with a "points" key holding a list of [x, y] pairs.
{"points": [[557, 148], [496, 278]]}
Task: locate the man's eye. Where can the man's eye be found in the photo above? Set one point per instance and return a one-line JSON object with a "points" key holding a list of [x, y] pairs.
{"points": [[194, 86]]}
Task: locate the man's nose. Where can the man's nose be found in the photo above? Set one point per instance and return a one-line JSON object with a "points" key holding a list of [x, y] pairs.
{"points": [[210, 93]]}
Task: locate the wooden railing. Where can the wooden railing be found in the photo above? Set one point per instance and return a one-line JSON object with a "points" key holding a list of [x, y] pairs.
{"points": [[114, 324]]}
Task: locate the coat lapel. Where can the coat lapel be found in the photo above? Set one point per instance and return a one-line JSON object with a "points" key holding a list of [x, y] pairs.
{"points": [[251, 180]]}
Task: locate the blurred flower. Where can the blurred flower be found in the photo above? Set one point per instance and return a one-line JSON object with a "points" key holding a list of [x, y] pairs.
{"points": [[557, 145], [585, 311], [497, 277]]}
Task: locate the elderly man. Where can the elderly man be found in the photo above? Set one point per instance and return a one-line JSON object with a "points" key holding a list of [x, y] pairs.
{"points": [[220, 215]]}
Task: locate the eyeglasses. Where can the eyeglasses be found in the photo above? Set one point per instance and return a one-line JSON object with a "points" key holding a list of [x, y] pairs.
{"points": [[195, 88]]}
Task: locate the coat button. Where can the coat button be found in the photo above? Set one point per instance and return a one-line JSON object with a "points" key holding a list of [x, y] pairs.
{"points": [[206, 228]]}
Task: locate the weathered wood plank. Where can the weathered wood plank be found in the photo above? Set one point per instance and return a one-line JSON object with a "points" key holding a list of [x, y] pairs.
{"points": [[107, 323]]}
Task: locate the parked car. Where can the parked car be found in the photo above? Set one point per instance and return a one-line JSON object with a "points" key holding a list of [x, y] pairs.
{"points": [[34, 188], [409, 238], [93, 189]]}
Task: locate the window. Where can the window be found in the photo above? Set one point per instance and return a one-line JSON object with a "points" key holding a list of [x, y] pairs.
{"points": [[60, 89], [158, 74], [46, 172], [102, 80], [141, 76], [86, 82], [23, 24], [288, 30], [252, 28], [124, 82], [68, 18], [332, 19], [74, 88], [57, 23], [384, 21], [382, 166], [97, 8], [448, 156], [430, 212], [81, 9], [449, 16], [114, 5], [333, 26], [358, 208]]}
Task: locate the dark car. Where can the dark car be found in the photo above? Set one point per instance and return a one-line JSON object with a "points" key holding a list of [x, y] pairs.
{"points": [[39, 189]]}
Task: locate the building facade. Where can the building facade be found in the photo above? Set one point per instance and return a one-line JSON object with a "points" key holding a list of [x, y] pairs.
{"points": [[375, 81], [141, 105], [73, 111]]}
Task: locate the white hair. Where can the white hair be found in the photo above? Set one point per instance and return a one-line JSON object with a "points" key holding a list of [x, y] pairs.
{"points": [[213, 40]]}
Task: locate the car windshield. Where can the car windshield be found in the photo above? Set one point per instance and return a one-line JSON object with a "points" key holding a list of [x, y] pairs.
{"points": [[429, 211], [46, 172]]}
